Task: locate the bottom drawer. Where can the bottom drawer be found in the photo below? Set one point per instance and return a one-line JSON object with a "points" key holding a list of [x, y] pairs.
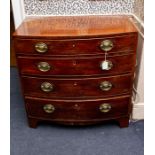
{"points": [[78, 110]]}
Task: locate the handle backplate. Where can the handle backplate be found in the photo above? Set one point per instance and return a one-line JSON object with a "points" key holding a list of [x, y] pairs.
{"points": [[41, 47], [47, 87], [105, 107], [49, 108], [43, 66], [106, 45], [105, 86]]}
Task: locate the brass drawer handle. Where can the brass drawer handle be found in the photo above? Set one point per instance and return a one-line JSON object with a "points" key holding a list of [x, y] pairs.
{"points": [[43, 66], [41, 47], [106, 45], [49, 108], [105, 107], [47, 87], [105, 86], [106, 65]]}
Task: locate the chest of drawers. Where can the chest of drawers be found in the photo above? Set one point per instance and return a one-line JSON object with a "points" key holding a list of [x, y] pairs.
{"points": [[77, 70]]}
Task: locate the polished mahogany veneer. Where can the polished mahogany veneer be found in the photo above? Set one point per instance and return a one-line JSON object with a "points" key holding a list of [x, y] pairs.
{"points": [[74, 112], [74, 27], [77, 70], [77, 87], [83, 66], [76, 46]]}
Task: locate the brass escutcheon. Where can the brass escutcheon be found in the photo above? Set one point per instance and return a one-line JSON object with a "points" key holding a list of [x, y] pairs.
{"points": [[105, 86], [106, 45], [105, 107], [47, 87], [49, 108], [41, 47], [43, 66]]}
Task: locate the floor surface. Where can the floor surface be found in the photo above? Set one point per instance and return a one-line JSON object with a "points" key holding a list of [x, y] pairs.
{"points": [[48, 139]]}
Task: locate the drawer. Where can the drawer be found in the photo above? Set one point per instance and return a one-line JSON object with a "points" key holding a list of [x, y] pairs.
{"points": [[76, 87], [82, 66], [76, 46], [74, 110]]}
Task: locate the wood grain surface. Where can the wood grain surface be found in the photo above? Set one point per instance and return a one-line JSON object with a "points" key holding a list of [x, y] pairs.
{"points": [[76, 66], [77, 87], [74, 26], [75, 56]]}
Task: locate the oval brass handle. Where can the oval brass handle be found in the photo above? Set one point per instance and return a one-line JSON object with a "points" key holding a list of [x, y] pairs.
{"points": [[105, 107], [107, 66], [43, 66], [47, 87], [106, 45], [105, 86], [41, 47], [49, 108]]}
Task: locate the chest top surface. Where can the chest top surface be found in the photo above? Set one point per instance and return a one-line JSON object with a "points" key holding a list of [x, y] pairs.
{"points": [[74, 26]]}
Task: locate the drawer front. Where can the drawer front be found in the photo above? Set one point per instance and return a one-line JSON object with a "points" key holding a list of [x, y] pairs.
{"points": [[77, 88], [82, 66], [75, 47], [78, 110]]}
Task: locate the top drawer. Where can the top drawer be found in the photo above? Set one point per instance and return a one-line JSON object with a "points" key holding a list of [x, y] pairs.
{"points": [[76, 46]]}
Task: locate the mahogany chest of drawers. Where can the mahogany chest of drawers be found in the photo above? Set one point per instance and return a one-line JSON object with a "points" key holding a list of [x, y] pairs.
{"points": [[77, 70]]}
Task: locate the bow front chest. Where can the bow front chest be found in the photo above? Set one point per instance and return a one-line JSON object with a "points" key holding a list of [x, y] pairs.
{"points": [[77, 70]]}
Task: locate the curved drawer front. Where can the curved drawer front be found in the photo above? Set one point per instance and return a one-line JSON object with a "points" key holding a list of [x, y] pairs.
{"points": [[81, 66], [77, 88], [78, 110], [74, 47]]}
